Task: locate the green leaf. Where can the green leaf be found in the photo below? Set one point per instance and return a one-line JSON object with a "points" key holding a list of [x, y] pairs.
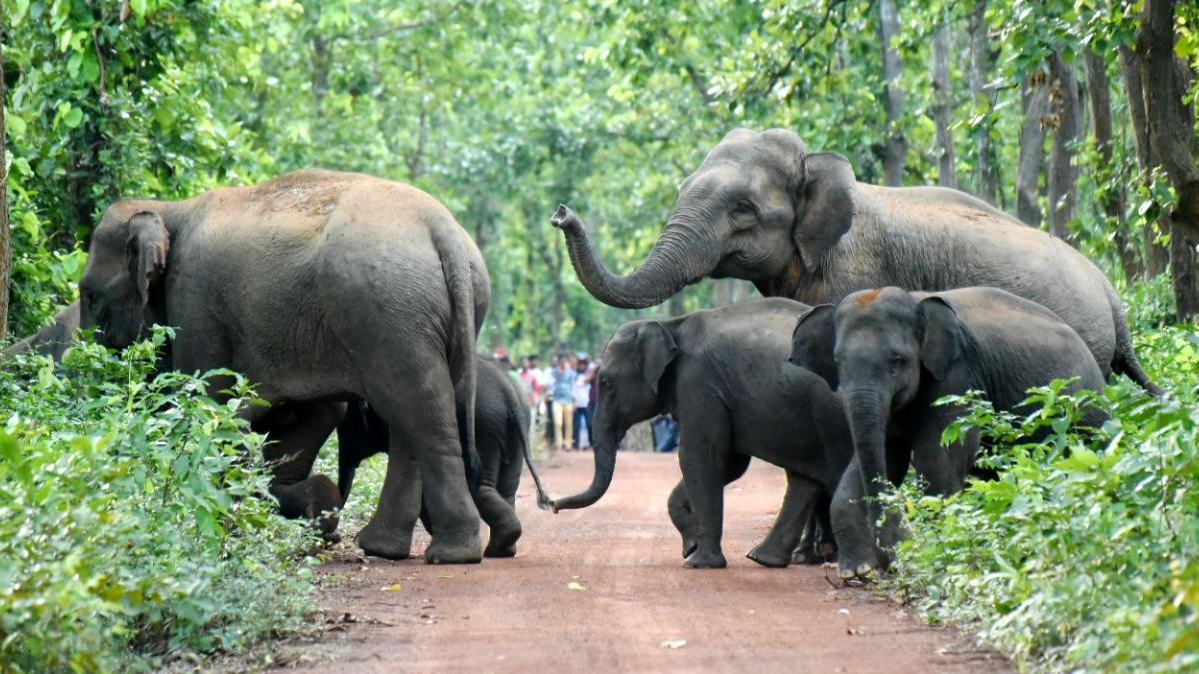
{"points": [[73, 118], [138, 7]]}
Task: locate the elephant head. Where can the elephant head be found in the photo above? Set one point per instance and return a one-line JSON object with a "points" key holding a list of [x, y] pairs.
{"points": [[630, 389], [877, 348], [125, 267], [757, 207]]}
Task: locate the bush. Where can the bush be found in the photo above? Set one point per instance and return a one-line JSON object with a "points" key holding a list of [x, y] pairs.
{"points": [[135, 526], [1083, 556]]}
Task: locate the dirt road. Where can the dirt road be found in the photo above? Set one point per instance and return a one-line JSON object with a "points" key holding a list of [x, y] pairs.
{"points": [[603, 590]]}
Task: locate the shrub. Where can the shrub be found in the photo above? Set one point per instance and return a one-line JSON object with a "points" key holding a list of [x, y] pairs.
{"points": [[1083, 555], [135, 525]]}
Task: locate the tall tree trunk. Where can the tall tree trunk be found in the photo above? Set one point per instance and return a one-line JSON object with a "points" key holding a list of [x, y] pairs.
{"points": [[1110, 187], [1034, 99], [1157, 256], [943, 105], [892, 66], [1172, 134], [5, 246], [986, 164], [1062, 174]]}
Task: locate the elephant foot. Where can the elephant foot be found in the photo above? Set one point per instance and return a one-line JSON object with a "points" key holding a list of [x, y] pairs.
{"points": [[863, 567], [459, 549], [769, 557], [810, 555], [705, 560], [689, 546], [315, 498], [377, 542], [502, 543]]}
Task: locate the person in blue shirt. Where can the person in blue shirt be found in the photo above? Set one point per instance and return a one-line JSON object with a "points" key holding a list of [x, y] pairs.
{"points": [[562, 385]]}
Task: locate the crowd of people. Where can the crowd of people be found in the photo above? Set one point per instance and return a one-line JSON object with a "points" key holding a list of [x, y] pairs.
{"points": [[560, 395]]}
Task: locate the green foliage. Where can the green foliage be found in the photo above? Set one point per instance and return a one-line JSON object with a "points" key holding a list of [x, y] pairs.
{"points": [[1083, 555], [135, 526]]}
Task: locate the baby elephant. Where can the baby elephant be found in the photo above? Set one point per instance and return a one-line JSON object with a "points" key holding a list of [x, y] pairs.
{"points": [[890, 354], [501, 435], [721, 374]]}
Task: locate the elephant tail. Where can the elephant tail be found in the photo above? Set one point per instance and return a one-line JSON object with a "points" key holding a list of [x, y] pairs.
{"points": [[1125, 359], [518, 428], [455, 265]]}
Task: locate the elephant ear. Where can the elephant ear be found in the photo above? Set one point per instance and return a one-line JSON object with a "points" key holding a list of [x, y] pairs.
{"points": [[824, 205], [658, 350], [942, 336], [146, 251], [813, 342]]}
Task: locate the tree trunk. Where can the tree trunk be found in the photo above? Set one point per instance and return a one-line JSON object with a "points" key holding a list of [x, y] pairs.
{"points": [[892, 67], [1166, 81], [320, 73], [1062, 175], [1034, 98], [1109, 189], [5, 246], [986, 163], [943, 105], [1157, 256]]}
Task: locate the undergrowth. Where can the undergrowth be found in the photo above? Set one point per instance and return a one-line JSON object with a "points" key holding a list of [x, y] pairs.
{"points": [[1083, 555], [135, 526]]}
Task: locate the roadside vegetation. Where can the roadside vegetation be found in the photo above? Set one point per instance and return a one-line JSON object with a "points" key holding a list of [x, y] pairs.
{"points": [[1083, 555]]}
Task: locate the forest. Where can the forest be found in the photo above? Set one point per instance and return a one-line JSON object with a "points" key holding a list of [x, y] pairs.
{"points": [[1075, 116]]}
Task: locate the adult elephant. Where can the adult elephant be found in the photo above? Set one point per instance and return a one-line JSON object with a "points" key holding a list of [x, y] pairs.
{"points": [[318, 286], [797, 224]]}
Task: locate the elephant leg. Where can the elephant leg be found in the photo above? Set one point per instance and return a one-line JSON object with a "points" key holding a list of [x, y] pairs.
{"points": [[497, 513], [817, 544], [360, 435], [851, 525], [295, 436], [417, 403], [679, 506], [705, 438], [798, 504]]}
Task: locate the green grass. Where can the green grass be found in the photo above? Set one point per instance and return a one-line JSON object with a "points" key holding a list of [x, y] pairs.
{"points": [[135, 529]]}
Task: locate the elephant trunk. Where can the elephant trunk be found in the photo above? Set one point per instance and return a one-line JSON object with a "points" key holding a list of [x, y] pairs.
{"points": [[680, 256], [868, 412], [605, 465]]}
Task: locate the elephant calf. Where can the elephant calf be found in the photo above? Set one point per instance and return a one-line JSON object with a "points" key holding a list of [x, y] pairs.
{"points": [[501, 435], [722, 374], [891, 354]]}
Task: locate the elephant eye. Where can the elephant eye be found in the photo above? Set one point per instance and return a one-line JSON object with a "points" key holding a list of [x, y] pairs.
{"points": [[744, 208], [897, 361]]}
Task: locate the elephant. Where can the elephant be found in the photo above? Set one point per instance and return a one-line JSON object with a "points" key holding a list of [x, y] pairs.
{"points": [[722, 374], [798, 224], [320, 287], [502, 434], [53, 339], [890, 354]]}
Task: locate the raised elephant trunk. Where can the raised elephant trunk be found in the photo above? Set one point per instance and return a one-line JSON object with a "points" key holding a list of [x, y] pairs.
{"points": [[677, 259], [605, 465]]}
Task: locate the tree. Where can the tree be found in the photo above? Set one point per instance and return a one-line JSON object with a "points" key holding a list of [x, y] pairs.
{"points": [[1064, 113], [5, 246], [896, 143], [1166, 81], [1034, 102], [1109, 187], [943, 104], [980, 67]]}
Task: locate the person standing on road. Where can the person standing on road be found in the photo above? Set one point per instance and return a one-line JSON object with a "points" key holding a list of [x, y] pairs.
{"points": [[582, 398], [563, 390]]}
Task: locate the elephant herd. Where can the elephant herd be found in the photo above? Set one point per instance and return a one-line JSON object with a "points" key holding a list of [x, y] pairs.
{"points": [[353, 304]]}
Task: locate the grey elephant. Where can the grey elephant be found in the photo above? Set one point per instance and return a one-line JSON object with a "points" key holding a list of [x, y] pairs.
{"points": [[797, 224], [502, 435], [891, 354], [318, 286], [722, 374]]}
